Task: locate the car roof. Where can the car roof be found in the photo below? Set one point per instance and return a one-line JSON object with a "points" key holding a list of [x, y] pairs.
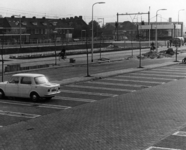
{"points": [[28, 74]]}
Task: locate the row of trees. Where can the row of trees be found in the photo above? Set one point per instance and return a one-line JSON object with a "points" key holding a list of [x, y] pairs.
{"points": [[104, 31]]}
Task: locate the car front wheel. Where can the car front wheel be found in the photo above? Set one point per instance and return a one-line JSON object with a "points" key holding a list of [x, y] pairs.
{"points": [[34, 97]]}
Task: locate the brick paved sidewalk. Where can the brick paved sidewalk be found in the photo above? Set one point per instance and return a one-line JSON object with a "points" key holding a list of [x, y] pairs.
{"points": [[132, 121]]}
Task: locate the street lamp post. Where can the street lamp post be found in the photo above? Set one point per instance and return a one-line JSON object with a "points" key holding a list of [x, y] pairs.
{"points": [[156, 28], [2, 53], [88, 75], [93, 30]]}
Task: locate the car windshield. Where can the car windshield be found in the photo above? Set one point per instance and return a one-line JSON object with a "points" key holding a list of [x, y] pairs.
{"points": [[41, 80]]}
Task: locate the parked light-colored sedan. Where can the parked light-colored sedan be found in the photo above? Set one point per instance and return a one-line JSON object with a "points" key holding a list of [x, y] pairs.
{"points": [[29, 85]]}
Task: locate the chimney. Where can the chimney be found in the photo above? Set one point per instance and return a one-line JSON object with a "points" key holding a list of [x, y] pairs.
{"points": [[170, 19]]}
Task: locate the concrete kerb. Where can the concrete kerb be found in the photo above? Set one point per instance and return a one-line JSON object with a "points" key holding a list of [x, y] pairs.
{"points": [[113, 73], [62, 66]]}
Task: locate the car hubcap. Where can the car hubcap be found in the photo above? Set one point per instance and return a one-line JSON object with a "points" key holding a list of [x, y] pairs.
{"points": [[34, 97]]}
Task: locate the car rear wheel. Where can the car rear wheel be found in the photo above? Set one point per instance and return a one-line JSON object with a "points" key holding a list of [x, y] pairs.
{"points": [[2, 94], [34, 97]]}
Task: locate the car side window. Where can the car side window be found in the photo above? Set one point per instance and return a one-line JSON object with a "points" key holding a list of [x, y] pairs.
{"points": [[14, 80], [26, 80]]}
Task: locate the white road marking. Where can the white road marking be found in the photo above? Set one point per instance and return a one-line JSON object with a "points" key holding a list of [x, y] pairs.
{"points": [[54, 106], [102, 88], [117, 84], [175, 76], [180, 133], [34, 104], [177, 68], [18, 114], [134, 80], [87, 93], [171, 70], [1, 126], [155, 71], [123, 76], [160, 148], [76, 99]]}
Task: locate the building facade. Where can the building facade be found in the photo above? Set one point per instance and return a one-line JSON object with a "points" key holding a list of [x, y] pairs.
{"points": [[39, 30], [132, 31]]}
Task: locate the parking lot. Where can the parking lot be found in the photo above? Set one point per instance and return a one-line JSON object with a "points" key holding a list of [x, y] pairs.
{"points": [[72, 95]]}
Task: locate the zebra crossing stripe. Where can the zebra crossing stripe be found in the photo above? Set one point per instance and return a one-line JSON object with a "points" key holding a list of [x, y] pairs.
{"points": [[118, 84], [177, 68], [155, 71], [18, 114], [102, 88], [76, 99], [180, 133], [123, 76], [160, 148], [134, 80], [171, 70], [87, 93], [175, 76]]}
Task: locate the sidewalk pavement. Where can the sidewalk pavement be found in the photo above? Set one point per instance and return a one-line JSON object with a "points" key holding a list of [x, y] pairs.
{"points": [[131, 121]]}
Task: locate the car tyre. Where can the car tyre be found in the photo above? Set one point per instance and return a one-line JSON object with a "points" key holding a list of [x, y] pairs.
{"points": [[34, 97], [2, 94]]}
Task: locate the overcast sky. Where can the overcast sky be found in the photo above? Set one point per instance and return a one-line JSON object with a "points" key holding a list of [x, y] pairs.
{"points": [[108, 11]]}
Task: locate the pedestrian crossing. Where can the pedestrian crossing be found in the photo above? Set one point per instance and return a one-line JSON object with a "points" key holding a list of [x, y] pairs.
{"points": [[126, 83]]}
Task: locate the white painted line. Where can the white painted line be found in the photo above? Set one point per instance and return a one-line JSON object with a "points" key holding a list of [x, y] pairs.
{"points": [[34, 104], [173, 68], [158, 72], [180, 133], [101, 88], [133, 80], [54, 106], [116, 84], [141, 77], [87, 93], [160, 148], [175, 76], [170, 70], [76, 99], [18, 114], [1, 126]]}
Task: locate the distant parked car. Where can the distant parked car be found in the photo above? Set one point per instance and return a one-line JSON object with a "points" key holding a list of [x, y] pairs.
{"points": [[29, 85]]}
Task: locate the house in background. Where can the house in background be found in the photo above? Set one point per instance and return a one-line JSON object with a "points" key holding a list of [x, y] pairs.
{"points": [[39, 30]]}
